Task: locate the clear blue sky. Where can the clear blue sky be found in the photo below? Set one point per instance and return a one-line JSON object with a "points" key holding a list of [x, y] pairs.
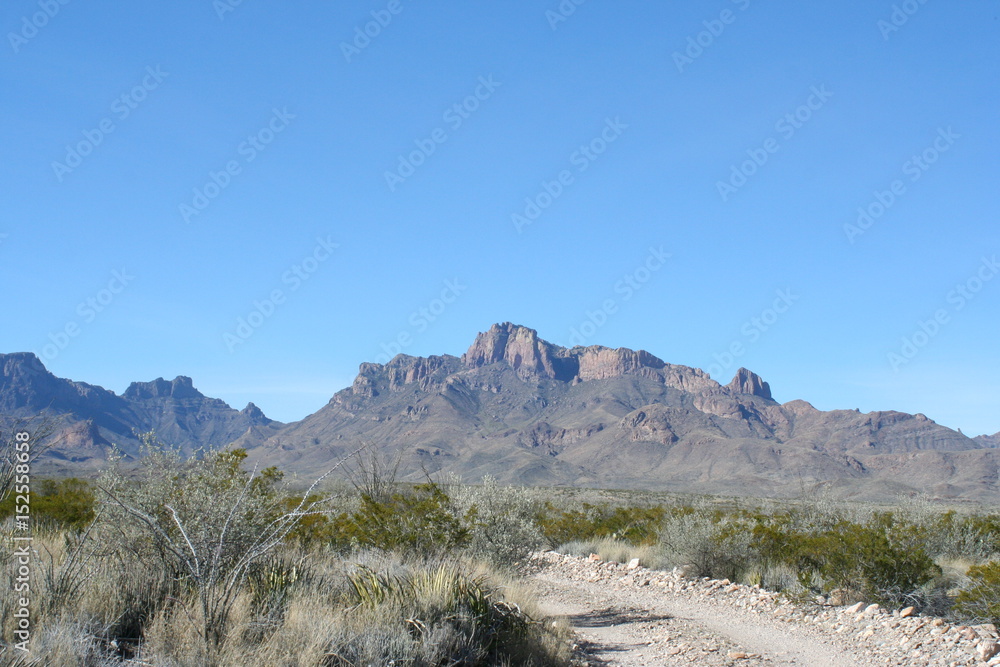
{"points": [[301, 131]]}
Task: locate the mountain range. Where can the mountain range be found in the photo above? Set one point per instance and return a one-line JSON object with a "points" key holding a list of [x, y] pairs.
{"points": [[529, 412]]}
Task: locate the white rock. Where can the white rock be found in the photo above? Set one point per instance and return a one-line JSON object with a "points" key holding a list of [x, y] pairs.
{"points": [[987, 649]]}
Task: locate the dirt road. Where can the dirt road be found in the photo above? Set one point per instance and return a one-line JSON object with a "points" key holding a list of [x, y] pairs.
{"points": [[635, 617]]}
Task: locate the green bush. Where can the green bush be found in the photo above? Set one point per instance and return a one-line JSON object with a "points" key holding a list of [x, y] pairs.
{"points": [[979, 599], [422, 521], [882, 560], [635, 525], [64, 503]]}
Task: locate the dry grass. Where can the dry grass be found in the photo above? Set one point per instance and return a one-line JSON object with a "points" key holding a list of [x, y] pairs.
{"points": [[298, 610]]}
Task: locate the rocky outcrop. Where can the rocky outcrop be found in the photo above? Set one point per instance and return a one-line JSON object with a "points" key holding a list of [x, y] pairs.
{"points": [[522, 349], [531, 357], [650, 424], [180, 387], [599, 363], [402, 370], [748, 382], [992, 441]]}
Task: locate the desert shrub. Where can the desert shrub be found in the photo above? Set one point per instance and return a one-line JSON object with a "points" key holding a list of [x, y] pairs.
{"points": [[419, 521], [974, 537], [501, 523], [706, 545], [490, 522], [978, 600], [883, 560], [380, 610], [56, 504], [454, 616], [636, 525]]}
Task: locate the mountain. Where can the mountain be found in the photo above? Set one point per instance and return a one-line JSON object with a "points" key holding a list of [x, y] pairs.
{"points": [[529, 412], [526, 411], [90, 419]]}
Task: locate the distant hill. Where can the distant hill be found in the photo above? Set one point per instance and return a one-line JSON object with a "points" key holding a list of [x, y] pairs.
{"points": [[529, 412]]}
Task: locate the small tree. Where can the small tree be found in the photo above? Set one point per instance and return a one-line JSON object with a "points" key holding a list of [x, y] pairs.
{"points": [[208, 518], [22, 441]]}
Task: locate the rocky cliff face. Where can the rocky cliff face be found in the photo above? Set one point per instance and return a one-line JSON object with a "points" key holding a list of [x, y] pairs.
{"points": [[522, 350]]}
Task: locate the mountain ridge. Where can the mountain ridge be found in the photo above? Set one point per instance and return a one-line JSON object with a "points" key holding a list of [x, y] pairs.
{"points": [[527, 411]]}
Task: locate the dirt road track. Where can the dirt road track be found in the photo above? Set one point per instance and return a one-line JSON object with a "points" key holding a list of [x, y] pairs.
{"points": [[638, 617]]}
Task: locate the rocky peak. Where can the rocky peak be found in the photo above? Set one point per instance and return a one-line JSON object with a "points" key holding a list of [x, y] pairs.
{"points": [[21, 363], [179, 387], [523, 350], [255, 414], [26, 383], [748, 382]]}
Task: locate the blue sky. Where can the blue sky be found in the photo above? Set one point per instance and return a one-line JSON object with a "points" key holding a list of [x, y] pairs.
{"points": [[174, 169]]}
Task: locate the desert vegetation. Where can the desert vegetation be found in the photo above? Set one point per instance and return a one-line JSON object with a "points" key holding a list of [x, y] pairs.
{"points": [[199, 561], [939, 561]]}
